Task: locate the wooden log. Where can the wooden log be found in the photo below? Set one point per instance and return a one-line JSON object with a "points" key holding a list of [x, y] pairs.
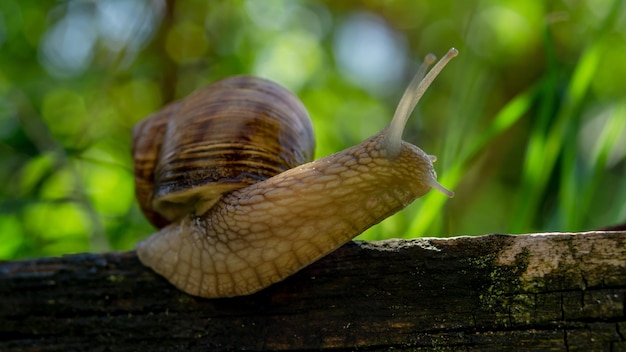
{"points": [[548, 292]]}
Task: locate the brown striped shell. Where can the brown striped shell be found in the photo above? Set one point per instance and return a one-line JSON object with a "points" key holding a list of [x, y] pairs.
{"points": [[228, 135]]}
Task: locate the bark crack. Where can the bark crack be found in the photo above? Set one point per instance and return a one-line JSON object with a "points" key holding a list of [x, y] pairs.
{"points": [[619, 332]]}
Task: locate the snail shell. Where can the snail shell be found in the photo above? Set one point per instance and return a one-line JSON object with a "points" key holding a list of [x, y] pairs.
{"points": [[231, 134], [256, 235]]}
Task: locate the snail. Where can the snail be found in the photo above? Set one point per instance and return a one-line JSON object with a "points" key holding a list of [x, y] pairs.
{"points": [[233, 232]]}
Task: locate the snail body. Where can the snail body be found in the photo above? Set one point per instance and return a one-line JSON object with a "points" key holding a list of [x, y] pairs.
{"points": [[261, 233]]}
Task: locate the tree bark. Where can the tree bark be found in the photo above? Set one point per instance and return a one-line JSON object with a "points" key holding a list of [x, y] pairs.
{"points": [[548, 292]]}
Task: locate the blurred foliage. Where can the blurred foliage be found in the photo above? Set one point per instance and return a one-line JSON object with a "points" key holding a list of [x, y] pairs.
{"points": [[529, 122]]}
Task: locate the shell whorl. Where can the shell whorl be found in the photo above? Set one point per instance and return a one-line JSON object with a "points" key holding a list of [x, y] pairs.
{"points": [[233, 133]]}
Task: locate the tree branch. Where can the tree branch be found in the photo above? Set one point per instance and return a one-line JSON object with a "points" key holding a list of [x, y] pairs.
{"points": [[495, 292]]}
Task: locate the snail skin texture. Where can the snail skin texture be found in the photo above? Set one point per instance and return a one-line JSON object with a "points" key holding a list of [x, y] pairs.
{"points": [[260, 233]]}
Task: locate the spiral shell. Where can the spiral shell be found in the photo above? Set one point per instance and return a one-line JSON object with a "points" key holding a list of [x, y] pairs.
{"points": [[228, 135]]}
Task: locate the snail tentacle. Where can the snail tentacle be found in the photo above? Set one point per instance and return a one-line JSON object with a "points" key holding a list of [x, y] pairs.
{"points": [[411, 97]]}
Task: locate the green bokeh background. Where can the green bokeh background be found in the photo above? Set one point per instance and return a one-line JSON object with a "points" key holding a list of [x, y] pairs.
{"points": [[528, 122]]}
